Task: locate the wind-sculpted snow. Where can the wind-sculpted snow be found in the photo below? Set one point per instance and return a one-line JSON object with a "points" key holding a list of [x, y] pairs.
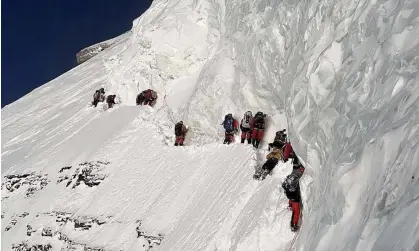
{"points": [[341, 76]]}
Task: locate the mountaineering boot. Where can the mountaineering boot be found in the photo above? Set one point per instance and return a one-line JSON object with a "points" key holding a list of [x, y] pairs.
{"points": [[176, 144], [257, 142], [249, 141], [181, 144], [264, 173], [257, 174], [294, 227], [242, 141]]}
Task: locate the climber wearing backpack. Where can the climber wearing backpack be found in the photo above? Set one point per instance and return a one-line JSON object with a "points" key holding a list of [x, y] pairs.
{"points": [[291, 187], [231, 126], [110, 100], [99, 96], [140, 98], [147, 97], [280, 137], [245, 127], [272, 160], [257, 127], [180, 133]]}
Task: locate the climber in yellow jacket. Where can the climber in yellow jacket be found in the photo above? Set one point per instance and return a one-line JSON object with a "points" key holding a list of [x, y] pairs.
{"points": [[272, 160]]}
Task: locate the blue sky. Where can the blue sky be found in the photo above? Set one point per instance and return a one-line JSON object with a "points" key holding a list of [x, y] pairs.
{"points": [[40, 39]]}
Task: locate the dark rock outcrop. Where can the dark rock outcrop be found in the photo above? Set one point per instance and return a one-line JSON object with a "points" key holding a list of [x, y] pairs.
{"points": [[88, 173], [151, 239], [26, 247], [33, 181]]}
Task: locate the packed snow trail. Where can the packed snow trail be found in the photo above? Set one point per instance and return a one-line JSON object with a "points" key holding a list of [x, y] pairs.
{"points": [[339, 75]]}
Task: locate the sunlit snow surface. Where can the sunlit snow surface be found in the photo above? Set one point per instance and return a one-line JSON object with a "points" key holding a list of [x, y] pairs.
{"points": [[341, 76]]}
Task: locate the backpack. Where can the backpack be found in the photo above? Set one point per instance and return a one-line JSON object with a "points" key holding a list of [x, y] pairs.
{"points": [[178, 129], [289, 185], [259, 122], [281, 136], [110, 99], [148, 94], [246, 120], [228, 123], [96, 95], [287, 150]]}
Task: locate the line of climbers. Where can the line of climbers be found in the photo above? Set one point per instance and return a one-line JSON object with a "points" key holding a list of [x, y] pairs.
{"points": [[282, 150], [147, 97], [252, 130]]}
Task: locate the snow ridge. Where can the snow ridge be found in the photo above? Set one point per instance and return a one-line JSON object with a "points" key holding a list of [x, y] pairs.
{"points": [[339, 75]]}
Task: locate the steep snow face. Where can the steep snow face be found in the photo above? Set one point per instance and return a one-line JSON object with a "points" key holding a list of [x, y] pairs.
{"points": [[340, 76], [92, 50]]}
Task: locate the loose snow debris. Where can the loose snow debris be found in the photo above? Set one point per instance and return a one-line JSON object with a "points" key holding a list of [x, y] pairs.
{"points": [[89, 174], [35, 182], [26, 247], [152, 240], [64, 168]]}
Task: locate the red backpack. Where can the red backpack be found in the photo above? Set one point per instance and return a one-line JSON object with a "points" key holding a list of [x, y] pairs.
{"points": [[287, 150]]}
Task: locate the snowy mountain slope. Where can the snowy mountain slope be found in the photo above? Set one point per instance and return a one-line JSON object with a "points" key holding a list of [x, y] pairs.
{"points": [[92, 50], [341, 76]]}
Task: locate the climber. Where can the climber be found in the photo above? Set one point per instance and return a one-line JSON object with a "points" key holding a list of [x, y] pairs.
{"points": [[99, 96], [257, 127], [272, 160], [231, 126], [291, 187], [180, 133], [288, 152], [147, 97], [245, 127], [280, 137], [110, 100]]}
